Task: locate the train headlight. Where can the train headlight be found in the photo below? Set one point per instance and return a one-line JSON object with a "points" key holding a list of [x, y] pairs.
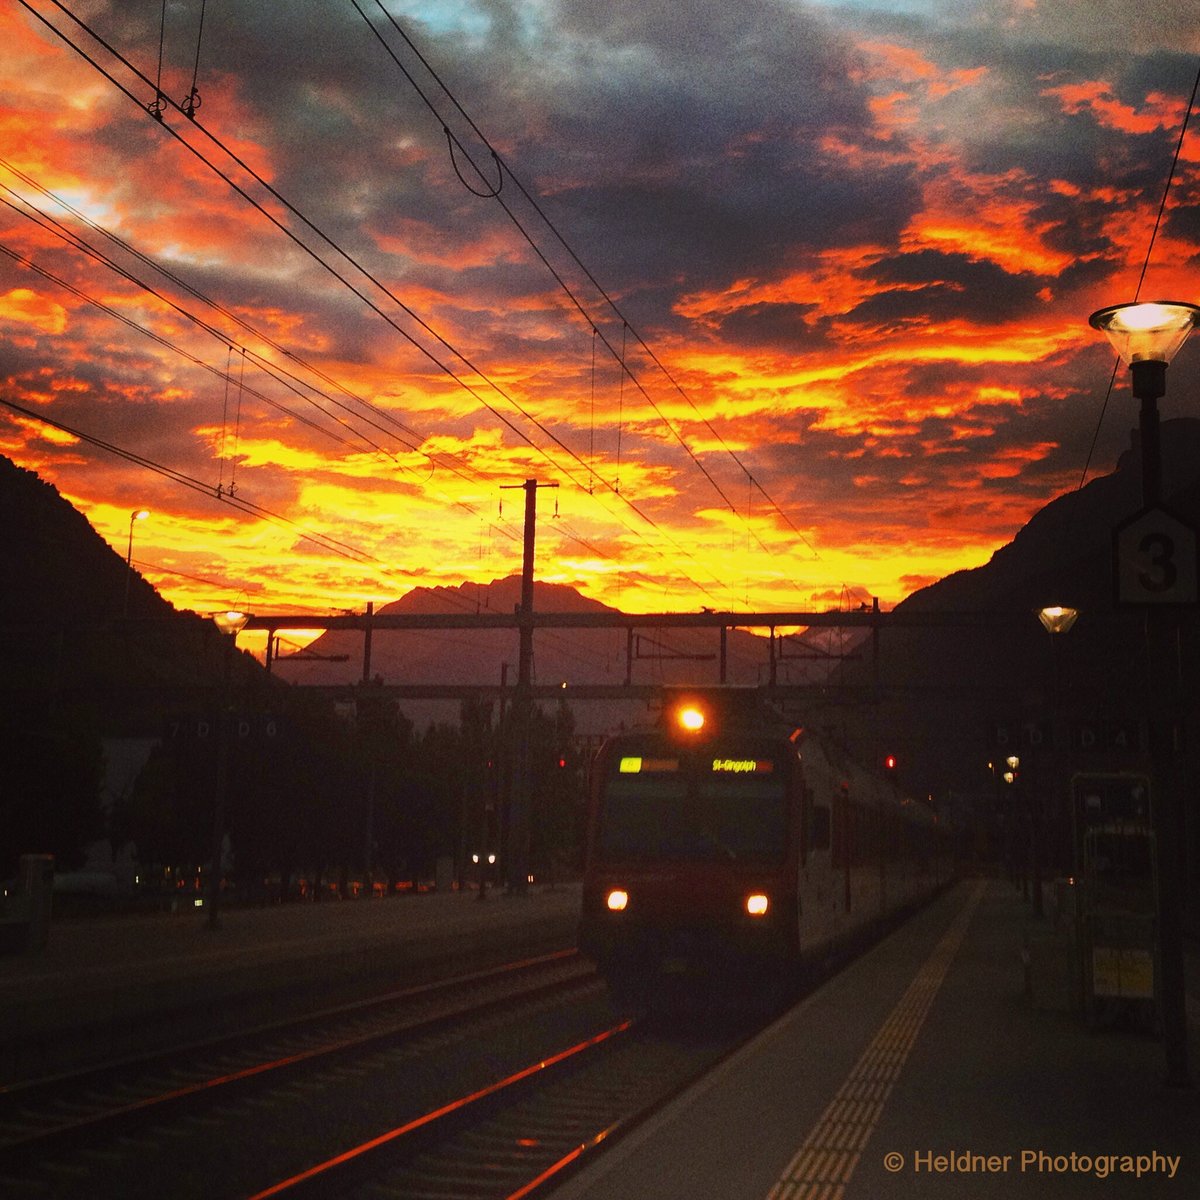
{"points": [[616, 900], [691, 718], [757, 904]]}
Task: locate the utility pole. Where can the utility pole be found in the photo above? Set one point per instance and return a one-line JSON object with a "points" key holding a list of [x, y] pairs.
{"points": [[517, 872]]}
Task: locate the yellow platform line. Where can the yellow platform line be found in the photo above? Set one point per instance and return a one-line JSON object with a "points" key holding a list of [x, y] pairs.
{"points": [[822, 1166]]}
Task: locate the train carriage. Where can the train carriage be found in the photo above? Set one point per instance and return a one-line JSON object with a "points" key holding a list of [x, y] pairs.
{"points": [[725, 849]]}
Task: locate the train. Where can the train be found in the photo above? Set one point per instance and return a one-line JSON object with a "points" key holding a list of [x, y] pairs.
{"points": [[727, 850]]}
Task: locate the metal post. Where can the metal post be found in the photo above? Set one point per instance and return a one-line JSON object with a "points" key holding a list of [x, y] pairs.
{"points": [[1149, 382], [366, 672], [518, 854], [222, 782]]}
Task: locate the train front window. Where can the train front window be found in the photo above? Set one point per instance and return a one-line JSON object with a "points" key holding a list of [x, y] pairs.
{"points": [[696, 814]]}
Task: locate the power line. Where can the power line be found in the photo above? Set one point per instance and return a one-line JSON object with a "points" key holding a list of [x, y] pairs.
{"points": [[562, 283], [411, 438], [1162, 208], [291, 235]]}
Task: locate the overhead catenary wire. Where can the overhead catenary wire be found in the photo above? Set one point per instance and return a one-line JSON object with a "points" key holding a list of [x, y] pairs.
{"points": [[1137, 291], [192, 101], [398, 430], [332, 545], [241, 191], [226, 376], [507, 170], [221, 489], [166, 344]]}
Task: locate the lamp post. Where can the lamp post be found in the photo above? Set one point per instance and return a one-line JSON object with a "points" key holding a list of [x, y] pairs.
{"points": [[1056, 619], [138, 514], [230, 623], [1147, 336]]}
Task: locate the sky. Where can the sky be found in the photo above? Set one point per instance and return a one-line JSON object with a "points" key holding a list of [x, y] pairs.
{"points": [[787, 299]]}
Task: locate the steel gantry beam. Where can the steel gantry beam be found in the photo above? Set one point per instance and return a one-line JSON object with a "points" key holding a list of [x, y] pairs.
{"points": [[525, 622], [866, 618]]}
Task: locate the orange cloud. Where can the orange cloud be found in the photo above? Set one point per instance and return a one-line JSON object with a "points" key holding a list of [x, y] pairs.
{"points": [[27, 307], [1096, 97]]}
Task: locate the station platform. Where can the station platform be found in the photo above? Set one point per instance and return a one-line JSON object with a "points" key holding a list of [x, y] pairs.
{"points": [[170, 969], [924, 1070]]}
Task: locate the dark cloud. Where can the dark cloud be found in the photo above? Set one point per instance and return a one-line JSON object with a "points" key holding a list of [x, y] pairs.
{"points": [[784, 326], [938, 287]]}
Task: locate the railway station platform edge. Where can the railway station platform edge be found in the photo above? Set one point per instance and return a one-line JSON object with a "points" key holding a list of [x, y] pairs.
{"points": [[113, 967], [924, 1069]]}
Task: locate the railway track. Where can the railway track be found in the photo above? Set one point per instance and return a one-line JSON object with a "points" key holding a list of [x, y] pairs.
{"points": [[490, 1086], [47, 1123], [520, 1137]]}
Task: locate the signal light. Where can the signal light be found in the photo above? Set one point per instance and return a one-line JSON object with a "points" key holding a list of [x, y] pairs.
{"points": [[889, 765]]}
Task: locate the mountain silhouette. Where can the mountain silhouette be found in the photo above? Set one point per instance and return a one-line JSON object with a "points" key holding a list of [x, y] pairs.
{"points": [[948, 689], [76, 625], [941, 689]]}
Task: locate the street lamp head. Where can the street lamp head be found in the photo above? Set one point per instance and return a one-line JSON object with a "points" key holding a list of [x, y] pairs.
{"points": [[231, 621], [138, 514], [1057, 619], [1149, 332]]}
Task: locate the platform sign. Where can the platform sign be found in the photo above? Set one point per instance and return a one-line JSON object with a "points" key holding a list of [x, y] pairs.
{"points": [[1154, 559], [1127, 972]]}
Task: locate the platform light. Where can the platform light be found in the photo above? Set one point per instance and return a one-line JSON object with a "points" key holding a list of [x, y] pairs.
{"points": [[617, 900], [1056, 618], [757, 904], [231, 621], [1148, 332]]}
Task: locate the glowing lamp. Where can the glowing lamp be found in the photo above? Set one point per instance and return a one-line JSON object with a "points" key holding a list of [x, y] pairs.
{"points": [[1150, 332], [138, 514], [1057, 619], [691, 719], [231, 621], [757, 904], [617, 900], [1147, 337]]}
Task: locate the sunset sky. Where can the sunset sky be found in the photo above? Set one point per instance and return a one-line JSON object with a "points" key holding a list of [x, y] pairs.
{"points": [[789, 298]]}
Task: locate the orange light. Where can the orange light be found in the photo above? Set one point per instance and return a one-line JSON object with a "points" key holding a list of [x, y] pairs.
{"points": [[617, 900], [691, 719], [757, 904]]}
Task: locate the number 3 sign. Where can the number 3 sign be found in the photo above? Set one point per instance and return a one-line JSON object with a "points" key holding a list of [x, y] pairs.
{"points": [[1154, 554]]}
